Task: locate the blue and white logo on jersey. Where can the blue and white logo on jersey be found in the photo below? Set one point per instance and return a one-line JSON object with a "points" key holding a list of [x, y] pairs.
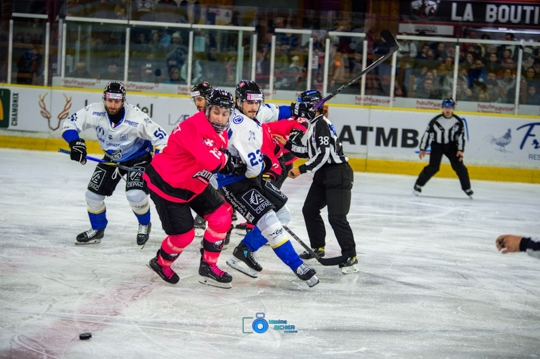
{"points": [[238, 119]]}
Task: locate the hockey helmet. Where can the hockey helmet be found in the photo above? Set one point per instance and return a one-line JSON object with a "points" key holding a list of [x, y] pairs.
{"points": [[114, 90], [448, 102], [248, 90], [311, 97], [201, 89], [220, 98]]}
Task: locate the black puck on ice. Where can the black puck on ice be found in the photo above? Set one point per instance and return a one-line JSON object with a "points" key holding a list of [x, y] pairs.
{"points": [[85, 336]]}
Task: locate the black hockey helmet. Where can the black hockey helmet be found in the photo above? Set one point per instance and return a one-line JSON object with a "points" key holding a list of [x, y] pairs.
{"points": [[311, 97], [115, 90], [220, 98], [201, 89], [448, 102], [248, 90]]}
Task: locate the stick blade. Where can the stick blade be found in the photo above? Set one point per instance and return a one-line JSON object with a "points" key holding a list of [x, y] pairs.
{"points": [[389, 38]]}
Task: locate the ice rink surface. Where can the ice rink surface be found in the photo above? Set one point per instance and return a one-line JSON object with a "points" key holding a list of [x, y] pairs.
{"points": [[431, 282]]}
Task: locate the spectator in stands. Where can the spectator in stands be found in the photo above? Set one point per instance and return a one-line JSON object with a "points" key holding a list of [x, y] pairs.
{"points": [[512, 48], [166, 11], [427, 91], [493, 64], [494, 91], [139, 49], [196, 72], [112, 73], [148, 73], [533, 97], [531, 77], [177, 53], [445, 79], [190, 11], [262, 67], [80, 71], [507, 81], [281, 60], [143, 10], [440, 52], [477, 74], [30, 65], [405, 57], [463, 92], [155, 47], [174, 76], [469, 61]]}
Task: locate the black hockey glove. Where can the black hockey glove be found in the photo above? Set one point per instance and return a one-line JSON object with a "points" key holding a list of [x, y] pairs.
{"points": [[78, 150], [234, 165], [295, 136], [301, 109], [267, 164]]}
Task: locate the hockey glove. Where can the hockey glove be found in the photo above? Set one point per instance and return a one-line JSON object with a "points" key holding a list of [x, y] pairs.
{"points": [[234, 165], [78, 150], [295, 136], [301, 109]]}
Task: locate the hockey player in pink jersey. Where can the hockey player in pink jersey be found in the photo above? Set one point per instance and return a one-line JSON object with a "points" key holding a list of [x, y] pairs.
{"points": [[179, 181]]}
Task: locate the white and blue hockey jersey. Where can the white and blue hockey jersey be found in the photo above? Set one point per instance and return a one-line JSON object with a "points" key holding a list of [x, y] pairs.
{"points": [[132, 137], [245, 141]]}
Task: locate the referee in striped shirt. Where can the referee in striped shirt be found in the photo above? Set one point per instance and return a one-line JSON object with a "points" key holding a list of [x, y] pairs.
{"points": [[332, 181], [446, 133]]}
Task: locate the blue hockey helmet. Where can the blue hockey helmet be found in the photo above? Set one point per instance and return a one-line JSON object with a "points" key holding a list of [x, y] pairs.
{"points": [[448, 102]]}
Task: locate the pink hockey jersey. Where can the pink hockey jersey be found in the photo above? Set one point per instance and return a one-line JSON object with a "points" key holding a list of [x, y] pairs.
{"points": [[271, 148], [185, 166]]}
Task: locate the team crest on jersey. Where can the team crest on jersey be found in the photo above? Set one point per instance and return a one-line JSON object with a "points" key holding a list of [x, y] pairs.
{"points": [[209, 142], [115, 155], [238, 119]]}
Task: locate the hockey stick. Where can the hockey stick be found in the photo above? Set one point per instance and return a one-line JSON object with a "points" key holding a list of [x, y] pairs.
{"points": [[102, 161], [324, 261], [391, 41]]}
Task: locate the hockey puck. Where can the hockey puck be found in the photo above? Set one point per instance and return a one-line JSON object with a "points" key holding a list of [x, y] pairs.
{"points": [[85, 336]]}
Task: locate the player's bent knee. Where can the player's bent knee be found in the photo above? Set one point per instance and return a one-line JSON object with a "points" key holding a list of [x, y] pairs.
{"points": [[138, 200], [220, 220], [95, 202], [284, 215]]}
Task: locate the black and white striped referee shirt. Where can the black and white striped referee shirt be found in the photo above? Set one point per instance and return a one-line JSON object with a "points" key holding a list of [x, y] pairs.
{"points": [[320, 144], [444, 130]]}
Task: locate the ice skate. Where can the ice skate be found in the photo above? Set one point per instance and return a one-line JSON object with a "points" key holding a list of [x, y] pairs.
{"points": [[319, 251], [91, 236], [200, 226], [243, 228], [213, 276], [244, 261], [307, 274], [417, 190], [166, 273], [350, 266], [143, 234], [469, 192]]}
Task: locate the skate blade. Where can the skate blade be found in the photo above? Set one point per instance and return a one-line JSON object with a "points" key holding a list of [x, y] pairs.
{"points": [[242, 267], [313, 281], [240, 231], [214, 283], [199, 232], [350, 269], [91, 241]]}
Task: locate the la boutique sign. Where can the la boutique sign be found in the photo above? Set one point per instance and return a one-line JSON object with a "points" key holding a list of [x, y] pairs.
{"points": [[497, 13]]}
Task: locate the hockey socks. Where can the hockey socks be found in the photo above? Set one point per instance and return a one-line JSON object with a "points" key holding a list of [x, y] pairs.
{"points": [[254, 239], [287, 254]]}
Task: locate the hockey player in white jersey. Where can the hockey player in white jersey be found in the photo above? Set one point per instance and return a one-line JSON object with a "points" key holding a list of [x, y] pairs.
{"points": [[128, 137], [257, 200]]}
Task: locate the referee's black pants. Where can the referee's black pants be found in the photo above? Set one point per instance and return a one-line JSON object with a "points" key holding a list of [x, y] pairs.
{"points": [[450, 151], [331, 187]]}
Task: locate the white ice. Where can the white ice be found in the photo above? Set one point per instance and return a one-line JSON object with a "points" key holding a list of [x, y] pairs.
{"points": [[431, 282]]}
